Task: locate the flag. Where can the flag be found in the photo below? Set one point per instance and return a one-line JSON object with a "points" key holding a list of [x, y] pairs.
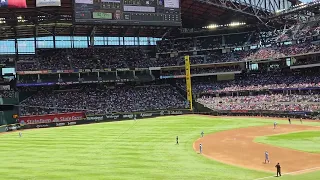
{"points": [[13, 3], [42, 3]]}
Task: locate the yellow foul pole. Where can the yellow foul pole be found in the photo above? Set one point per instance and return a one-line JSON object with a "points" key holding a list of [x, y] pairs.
{"points": [[188, 80]]}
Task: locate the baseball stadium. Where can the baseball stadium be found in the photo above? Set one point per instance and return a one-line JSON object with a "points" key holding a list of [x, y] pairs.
{"points": [[159, 89]]}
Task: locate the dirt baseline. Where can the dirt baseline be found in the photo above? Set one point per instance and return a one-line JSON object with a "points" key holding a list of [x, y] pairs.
{"points": [[236, 147]]}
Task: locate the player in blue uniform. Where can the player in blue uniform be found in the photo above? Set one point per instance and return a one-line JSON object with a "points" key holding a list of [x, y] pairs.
{"points": [[200, 147], [274, 125], [266, 154], [202, 133]]}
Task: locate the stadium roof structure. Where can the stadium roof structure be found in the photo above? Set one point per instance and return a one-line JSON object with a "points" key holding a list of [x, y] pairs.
{"points": [[45, 21]]}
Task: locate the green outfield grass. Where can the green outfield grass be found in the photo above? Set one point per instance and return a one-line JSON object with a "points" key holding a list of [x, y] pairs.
{"points": [[308, 141], [142, 149], [306, 176]]}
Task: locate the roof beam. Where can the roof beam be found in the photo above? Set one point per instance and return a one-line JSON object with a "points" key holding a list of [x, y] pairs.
{"points": [[252, 10]]}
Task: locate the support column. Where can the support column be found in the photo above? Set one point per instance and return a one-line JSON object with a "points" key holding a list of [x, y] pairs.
{"points": [[54, 37], [35, 35]]}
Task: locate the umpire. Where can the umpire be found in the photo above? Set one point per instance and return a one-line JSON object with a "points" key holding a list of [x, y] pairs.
{"points": [[278, 170]]}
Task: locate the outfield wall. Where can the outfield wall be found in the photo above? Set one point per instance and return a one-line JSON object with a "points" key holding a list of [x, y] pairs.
{"points": [[78, 118]]}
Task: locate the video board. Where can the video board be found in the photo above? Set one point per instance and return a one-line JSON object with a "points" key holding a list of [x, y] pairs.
{"points": [[128, 12]]}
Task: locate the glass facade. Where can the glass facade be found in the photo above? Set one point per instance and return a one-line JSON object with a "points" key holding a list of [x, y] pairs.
{"points": [[29, 45]]}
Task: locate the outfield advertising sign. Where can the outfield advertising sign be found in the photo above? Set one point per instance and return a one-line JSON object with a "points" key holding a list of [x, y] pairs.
{"points": [[127, 116], [12, 127], [52, 118], [77, 118], [96, 118], [56, 124]]}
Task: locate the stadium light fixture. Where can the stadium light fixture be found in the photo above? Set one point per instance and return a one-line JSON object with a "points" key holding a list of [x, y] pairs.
{"points": [[236, 24], [2, 20], [233, 24], [211, 26]]}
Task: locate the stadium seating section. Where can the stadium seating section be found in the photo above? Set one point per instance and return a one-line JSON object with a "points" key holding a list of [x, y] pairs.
{"points": [[268, 90], [100, 100]]}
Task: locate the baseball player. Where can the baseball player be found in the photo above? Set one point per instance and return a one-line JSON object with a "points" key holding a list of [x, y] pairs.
{"points": [[202, 133], [177, 139], [301, 120], [135, 117], [20, 134], [278, 169], [200, 147], [266, 154], [289, 121], [274, 125]]}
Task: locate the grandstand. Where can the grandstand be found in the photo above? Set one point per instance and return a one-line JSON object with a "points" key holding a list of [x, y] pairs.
{"points": [[141, 63], [66, 60]]}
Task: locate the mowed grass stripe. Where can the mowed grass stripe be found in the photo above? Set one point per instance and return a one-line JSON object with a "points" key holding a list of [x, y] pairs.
{"points": [[142, 149], [308, 141]]}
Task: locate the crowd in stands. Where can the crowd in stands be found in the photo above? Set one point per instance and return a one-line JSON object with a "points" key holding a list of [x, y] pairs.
{"points": [[258, 82], [215, 69], [205, 42], [274, 102], [90, 58], [202, 70], [6, 59], [216, 56], [101, 100], [98, 58], [209, 42], [7, 94], [283, 51]]}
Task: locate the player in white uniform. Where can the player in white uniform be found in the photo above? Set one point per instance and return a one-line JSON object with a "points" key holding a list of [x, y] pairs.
{"points": [[266, 154]]}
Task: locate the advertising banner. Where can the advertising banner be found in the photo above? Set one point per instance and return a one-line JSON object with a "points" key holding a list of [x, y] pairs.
{"points": [[13, 3], [12, 127], [128, 116], [77, 118], [96, 118], [57, 124], [51, 118], [43, 3]]}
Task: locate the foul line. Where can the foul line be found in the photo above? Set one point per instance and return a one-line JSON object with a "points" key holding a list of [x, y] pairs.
{"points": [[124, 132], [290, 173]]}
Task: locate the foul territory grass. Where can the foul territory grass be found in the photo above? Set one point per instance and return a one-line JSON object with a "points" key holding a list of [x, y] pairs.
{"points": [[142, 149], [308, 141]]}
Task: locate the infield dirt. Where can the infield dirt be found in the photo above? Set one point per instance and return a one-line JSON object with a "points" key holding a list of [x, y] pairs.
{"points": [[237, 147]]}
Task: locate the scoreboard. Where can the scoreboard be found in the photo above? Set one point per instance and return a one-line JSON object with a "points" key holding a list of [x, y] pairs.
{"points": [[128, 12]]}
